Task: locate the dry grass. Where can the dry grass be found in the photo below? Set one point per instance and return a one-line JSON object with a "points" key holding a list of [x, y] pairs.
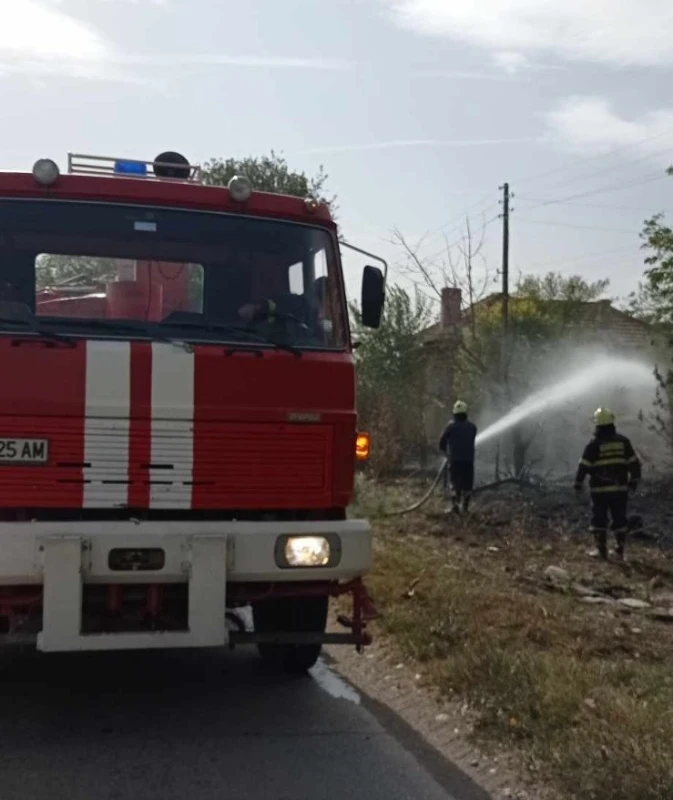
{"points": [[585, 692]]}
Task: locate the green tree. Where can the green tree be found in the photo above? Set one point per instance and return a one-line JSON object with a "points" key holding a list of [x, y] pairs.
{"points": [[653, 303], [268, 174], [54, 270], [556, 288], [541, 310], [645, 304], [654, 299], [391, 386]]}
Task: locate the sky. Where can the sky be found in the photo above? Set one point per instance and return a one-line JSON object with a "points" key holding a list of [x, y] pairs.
{"points": [[418, 109]]}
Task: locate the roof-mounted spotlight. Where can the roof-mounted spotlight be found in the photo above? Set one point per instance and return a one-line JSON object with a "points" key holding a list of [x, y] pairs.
{"points": [[240, 188], [46, 171]]}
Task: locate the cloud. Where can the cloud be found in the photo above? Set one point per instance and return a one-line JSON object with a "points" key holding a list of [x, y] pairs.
{"points": [[32, 30], [41, 41], [461, 75], [43, 70], [218, 59], [406, 143], [626, 33], [514, 63], [589, 124], [511, 62]]}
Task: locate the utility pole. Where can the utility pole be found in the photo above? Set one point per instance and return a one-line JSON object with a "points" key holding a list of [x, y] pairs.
{"points": [[505, 257], [504, 343]]}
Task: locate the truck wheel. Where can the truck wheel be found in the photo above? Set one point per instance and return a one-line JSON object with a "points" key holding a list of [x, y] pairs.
{"points": [[291, 614]]}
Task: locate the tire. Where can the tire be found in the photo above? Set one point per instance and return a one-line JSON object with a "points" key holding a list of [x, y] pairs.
{"points": [[291, 615]]}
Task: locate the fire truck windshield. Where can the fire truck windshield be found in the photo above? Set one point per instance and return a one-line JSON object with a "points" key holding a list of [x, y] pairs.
{"points": [[169, 273]]}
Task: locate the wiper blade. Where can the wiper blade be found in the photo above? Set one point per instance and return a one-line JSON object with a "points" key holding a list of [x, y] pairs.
{"points": [[281, 345], [211, 327], [119, 327], [33, 325], [235, 330]]}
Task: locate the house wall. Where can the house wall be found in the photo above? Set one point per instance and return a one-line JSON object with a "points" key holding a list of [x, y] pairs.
{"points": [[439, 377]]}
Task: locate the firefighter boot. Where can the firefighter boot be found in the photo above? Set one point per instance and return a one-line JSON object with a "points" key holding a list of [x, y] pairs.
{"points": [[620, 536], [601, 539], [456, 501], [466, 502], [454, 507]]}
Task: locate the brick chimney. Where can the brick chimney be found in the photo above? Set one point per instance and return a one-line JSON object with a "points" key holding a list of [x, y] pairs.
{"points": [[451, 301]]}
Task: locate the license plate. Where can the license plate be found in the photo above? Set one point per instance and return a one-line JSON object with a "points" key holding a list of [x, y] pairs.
{"points": [[24, 451]]}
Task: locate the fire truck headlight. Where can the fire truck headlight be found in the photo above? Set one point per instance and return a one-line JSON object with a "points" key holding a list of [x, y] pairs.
{"points": [[240, 188], [45, 171], [308, 551]]}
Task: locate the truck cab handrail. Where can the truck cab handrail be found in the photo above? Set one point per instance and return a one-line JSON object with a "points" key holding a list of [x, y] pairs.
{"points": [[82, 164]]}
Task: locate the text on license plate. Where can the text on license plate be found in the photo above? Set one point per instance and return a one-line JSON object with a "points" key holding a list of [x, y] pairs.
{"points": [[24, 451]]}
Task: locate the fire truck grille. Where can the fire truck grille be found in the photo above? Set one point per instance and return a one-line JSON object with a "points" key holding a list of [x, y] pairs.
{"points": [[172, 464], [270, 465]]}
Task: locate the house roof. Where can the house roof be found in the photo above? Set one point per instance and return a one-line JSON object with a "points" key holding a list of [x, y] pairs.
{"points": [[598, 316]]}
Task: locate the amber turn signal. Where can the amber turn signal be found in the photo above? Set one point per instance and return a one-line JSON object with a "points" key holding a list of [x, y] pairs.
{"points": [[362, 446]]}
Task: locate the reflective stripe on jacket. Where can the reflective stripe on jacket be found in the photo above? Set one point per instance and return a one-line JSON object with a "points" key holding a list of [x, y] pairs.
{"points": [[610, 462]]}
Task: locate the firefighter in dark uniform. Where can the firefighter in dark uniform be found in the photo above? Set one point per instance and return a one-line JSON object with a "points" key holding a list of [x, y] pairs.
{"points": [[613, 469], [457, 442], [306, 309]]}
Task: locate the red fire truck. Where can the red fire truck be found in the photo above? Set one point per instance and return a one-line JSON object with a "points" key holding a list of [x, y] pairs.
{"points": [[177, 418]]}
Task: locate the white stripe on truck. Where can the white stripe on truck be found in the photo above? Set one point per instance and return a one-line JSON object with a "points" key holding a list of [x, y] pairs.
{"points": [[172, 426], [106, 424]]}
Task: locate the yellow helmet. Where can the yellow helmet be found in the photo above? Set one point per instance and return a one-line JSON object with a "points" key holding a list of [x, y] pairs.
{"points": [[603, 416], [459, 407]]}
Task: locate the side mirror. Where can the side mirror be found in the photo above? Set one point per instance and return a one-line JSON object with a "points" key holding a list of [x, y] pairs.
{"points": [[373, 296]]}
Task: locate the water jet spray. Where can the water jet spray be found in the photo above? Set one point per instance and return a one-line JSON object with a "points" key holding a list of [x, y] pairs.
{"points": [[608, 371]]}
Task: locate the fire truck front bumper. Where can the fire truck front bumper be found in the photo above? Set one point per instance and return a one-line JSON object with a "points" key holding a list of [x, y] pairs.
{"points": [[214, 560]]}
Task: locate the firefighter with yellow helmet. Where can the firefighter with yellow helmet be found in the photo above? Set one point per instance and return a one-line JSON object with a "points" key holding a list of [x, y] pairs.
{"points": [[613, 469], [457, 442]]}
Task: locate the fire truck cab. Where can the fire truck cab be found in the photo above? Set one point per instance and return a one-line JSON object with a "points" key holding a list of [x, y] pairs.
{"points": [[177, 419]]}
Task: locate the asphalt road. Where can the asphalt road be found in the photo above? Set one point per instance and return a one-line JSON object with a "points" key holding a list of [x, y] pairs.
{"points": [[200, 726]]}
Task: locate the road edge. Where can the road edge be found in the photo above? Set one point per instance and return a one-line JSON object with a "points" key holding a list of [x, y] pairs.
{"points": [[433, 730]]}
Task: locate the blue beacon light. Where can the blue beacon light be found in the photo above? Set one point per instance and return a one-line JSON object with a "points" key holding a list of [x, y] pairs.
{"points": [[130, 168]]}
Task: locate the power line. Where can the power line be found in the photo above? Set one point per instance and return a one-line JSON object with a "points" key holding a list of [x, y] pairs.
{"points": [[607, 154], [567, 200], [447, 227], [587, 257], [449, 231], [611, 169], [612, 187], [449, 245], [467, 212], [580, 227], [641, 209]]}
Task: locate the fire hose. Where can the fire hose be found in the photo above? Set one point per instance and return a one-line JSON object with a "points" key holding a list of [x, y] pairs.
{"points": [[438, 477], [426, 496]]}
